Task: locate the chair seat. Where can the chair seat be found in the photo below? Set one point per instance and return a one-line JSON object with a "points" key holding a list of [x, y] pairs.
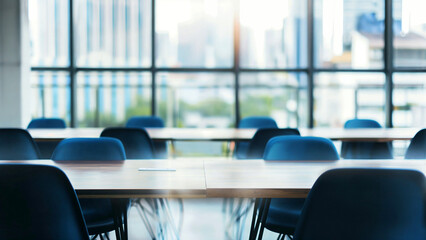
{"points": [[283, 215], [97, 214], [101, 226]]}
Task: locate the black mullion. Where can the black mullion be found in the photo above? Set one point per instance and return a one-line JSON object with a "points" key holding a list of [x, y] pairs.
{"points": [[388, 54], [405, 70], [310, 63], [236, 67], [72, 68], [153, 67], [41, 69], [349, 70]]}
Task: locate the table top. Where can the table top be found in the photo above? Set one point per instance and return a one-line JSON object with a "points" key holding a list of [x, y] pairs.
{"points": [[121, 179], [202, 177], [233, 134], [283, 179]]}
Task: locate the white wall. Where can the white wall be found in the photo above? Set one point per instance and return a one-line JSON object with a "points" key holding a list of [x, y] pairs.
{"points": [[14, 64]]}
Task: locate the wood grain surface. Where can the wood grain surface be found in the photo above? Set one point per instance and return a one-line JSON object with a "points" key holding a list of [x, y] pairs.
{"points": [[201, 178]]}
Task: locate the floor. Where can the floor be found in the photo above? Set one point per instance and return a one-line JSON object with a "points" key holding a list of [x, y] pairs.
{"points": [[203, 219]]}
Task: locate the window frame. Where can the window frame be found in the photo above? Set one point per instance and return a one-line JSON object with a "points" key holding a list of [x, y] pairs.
{"points": [[389, 69]]}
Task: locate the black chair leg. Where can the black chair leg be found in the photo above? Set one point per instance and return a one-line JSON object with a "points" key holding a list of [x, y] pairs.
{"points": [[253, 219], [261, 208], [264, 217]]}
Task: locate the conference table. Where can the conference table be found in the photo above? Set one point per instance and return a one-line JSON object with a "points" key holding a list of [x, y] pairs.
{"points": [[205, 177], [234, 134]]}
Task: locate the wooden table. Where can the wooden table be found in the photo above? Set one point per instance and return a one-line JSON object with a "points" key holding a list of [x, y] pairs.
{"points": [[206, 178], [106, 179], [281, 179], [233, 134]]}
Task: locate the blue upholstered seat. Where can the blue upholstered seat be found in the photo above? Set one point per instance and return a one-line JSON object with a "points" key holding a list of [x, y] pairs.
{"points": [[284, 213], [352, 204], [417, 147], [365, 150], [258, 122], [160, 147], [38, 202], [17, 144], [46, 147], [98, 213], [258, 143], [136, 141], [47, 123]]}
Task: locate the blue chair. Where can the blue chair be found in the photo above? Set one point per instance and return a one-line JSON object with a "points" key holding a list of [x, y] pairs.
{"points": [[38, 202], [417, 147], [46, 147], [365, 150], [47, 123], [283, 214], [160, 147], [17, 144], [258, 143], [98, 213], [241, 148], [138, 145], [352, 204], [136, 141]]}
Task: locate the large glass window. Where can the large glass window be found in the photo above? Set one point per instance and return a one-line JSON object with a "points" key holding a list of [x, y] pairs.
{"points": [[196, 99], [349, 34], [50, 95], [112, 33], [279, 95], [409, 100], [273, 33], [194, 33], [49, 32], [109, 98], [343, 96], [409, 33], [198, 64]]}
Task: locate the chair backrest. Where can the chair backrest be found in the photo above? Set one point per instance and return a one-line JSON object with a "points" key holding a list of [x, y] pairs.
{"points": [[262, 136], [355, 204], [365, 150], [300, 148], [17, 144], [417, 147], [46, 148], [145, 122], [160, 147], [362, 123], [89, 149], [259, 122], [136, 141], [47, 123], [38, 202]]}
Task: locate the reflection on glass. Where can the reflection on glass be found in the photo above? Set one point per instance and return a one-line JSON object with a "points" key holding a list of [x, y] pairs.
{"points": [[49, 32], [409, 33], [107, 99], [50, 95], [196, 99], [112, 33], [349, 33], [281, 96], [339, 97], [273, 33], [409, 99], [194, 33]]}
